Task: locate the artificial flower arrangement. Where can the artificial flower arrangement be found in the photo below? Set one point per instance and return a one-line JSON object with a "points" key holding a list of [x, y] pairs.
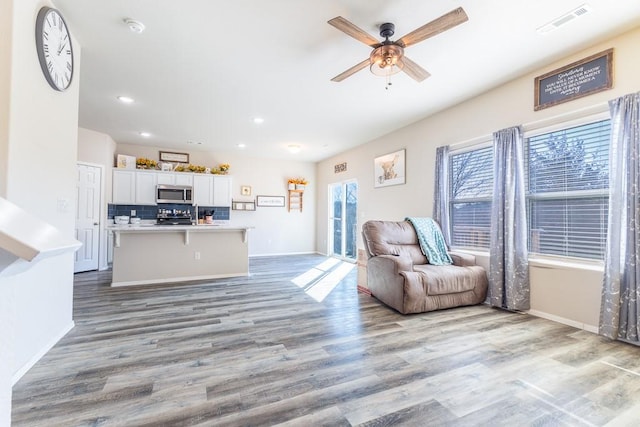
{"points": [[144, 163], [301, 181], [220, 170], [297, 183], [196, 169]]}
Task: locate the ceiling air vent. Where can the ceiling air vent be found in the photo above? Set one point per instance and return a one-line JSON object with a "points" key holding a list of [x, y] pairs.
{"points": [[562, 20]]}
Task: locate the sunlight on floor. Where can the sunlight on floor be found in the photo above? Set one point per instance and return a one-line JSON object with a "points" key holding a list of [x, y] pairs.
{"points": [[319, 281]]}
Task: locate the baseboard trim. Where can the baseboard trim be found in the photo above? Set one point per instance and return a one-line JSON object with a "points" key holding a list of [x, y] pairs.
{"points": [[25, 368], [283, 254], [564, 321], [364, 290], [177, 279]]}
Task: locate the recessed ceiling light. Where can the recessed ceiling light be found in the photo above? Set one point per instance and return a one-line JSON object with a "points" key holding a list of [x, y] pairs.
{"points": [[293, 148], [126, 99], [258, 120], [242, 145], [134, 26], [145, 134]]}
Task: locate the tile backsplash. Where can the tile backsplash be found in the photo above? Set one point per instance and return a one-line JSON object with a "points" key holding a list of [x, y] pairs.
{"points": [[151, 212]]}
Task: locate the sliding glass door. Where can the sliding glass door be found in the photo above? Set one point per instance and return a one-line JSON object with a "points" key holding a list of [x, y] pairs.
{"points": [[343, 219]]}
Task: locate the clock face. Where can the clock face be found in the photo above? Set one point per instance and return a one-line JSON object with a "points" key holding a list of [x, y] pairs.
{"points": [[54, 48]]}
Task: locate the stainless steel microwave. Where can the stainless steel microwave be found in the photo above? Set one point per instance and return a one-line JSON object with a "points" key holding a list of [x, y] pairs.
{"points": [[174, 194]]}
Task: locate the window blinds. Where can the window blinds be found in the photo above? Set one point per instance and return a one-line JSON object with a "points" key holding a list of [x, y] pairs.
{"points": [[567, 181], [471, 188]]}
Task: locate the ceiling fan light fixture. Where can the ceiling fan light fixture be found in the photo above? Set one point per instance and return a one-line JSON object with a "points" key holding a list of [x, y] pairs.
{"points": [[386, 60], [293, 148]]}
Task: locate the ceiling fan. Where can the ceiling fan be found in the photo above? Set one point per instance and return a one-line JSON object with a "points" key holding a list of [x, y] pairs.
{"points": [[388, 57]]}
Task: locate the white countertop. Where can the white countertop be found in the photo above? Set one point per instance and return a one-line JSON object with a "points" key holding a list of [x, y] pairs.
{"points": [[148, 228], [169, 228]]}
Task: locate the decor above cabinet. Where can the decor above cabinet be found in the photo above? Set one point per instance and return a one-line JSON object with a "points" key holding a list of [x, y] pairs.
{"points": [[169, 162]]}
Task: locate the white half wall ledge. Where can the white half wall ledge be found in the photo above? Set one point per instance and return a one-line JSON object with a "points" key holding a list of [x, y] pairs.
{"points": [[28, 237]]}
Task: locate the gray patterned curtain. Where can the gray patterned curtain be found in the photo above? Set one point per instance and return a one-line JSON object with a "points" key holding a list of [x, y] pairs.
{"points": [[441, 192], [508, 263], [619, 310]]}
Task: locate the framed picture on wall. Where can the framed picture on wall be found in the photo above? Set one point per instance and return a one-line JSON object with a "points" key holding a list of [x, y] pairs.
{"points": [[169, 156], [389, 169], [270, 201]]}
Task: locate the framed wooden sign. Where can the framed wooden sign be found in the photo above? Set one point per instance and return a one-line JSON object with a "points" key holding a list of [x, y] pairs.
{"points": [[270, 201], [168, 156], [581, 78], [340, 167]]}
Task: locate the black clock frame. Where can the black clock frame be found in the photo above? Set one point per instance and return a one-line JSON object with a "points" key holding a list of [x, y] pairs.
{"points": [[42, 14]]}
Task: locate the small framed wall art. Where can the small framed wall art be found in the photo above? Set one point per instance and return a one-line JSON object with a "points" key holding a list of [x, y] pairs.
{"points": [[389, 169], [126, 162], [245, 190]]}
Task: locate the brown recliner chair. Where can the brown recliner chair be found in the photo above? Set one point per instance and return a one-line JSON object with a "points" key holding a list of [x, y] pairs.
{"points": [[399, 274]]}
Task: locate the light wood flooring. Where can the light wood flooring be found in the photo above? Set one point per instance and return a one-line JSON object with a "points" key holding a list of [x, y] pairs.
{"points": [[260, 351]]}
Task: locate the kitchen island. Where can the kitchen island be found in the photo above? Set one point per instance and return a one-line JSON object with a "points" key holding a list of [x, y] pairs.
{"points": [[148, 253]]}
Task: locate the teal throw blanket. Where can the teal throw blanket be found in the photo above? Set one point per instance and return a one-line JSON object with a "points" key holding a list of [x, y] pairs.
{"points": [[431, 240]]}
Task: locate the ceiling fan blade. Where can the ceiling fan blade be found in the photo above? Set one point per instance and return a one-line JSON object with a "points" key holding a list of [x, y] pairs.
{"points": [[413, 70], [350, 29], [340, 77], [435, 27]]}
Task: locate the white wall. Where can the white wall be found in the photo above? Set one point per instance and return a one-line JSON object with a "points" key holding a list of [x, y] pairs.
{"points": [[97, 148], [277, 231], [6, 297], [39, 137], [508, 105]]}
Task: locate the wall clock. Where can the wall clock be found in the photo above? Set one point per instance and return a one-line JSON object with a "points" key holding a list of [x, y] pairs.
{"points": [[55, 51]]}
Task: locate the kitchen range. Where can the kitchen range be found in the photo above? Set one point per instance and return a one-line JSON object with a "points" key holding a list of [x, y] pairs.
{"points": [[176, 247], [174, 216]]}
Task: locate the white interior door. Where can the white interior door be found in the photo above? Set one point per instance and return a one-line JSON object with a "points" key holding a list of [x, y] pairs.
{"points": [[88, 217]]}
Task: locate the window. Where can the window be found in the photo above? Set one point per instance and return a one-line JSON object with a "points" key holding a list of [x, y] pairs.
{"points": [[567, 180], [471, 187]]}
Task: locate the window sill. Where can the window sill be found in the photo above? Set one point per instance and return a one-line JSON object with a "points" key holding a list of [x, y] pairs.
{"points": [[478, 253], [542, 262], [567, 264]]}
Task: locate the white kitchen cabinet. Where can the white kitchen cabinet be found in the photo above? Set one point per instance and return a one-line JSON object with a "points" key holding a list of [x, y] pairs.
{"points": [[124, 187], [146, 182], [175, 178], [203, 190], [221, 190], [183, 178], [138, 187], [166, 178]]}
